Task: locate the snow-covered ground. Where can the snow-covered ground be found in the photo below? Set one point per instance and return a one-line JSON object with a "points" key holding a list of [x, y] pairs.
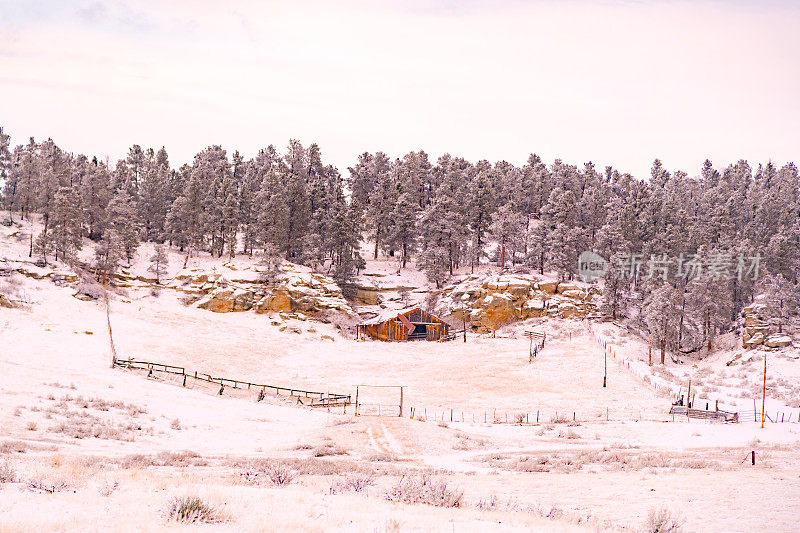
{"points": [[621, 456]]}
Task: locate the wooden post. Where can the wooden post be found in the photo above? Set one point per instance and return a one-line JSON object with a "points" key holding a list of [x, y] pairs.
{"points": [[605, 367], [356, 400], [537, 416], [401, 402], [184, 379], [464, 322], [451, 414], [764, 391], [689, 396], [753, 457]]}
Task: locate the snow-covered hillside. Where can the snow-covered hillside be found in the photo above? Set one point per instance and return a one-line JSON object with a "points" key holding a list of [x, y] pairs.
{"points": [[123, 445]]}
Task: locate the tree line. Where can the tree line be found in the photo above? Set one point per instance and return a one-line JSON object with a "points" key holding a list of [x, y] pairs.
{"points": [[444, 216]]}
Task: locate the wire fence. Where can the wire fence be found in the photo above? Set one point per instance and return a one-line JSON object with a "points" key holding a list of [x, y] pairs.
{"points": [[661, 385], [189, 379]]}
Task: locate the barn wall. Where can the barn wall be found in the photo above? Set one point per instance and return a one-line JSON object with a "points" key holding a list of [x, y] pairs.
{"points": [[394, 330]]}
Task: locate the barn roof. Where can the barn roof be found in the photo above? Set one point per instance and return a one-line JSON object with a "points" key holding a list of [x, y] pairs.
{"points": [[386, 315]]}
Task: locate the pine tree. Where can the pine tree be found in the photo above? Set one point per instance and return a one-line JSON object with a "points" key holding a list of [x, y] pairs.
{"points": [[481, 208], [123, 221], [95, 196], [381, 201], [662, 315], [158, 262], [5, 165], [270, 264], [781, 298], [108, 254], [296, 201], [67, 225], [507, 224], [613, 287], [709, 305], [435, 262], [23, 180], [403, 230]]}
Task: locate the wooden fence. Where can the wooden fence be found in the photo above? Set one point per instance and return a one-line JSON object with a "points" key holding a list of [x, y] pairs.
{"points": [[704, 414], [314, 398]]}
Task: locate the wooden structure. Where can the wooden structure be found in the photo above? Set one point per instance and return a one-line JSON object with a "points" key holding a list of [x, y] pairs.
{"points": [[404, 325], [538, 338]]}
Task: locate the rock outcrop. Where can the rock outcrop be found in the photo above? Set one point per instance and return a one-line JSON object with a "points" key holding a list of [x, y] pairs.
{"points": [[756, 329], [490, 301], [778, 341], [294, 291], [756, 325]]}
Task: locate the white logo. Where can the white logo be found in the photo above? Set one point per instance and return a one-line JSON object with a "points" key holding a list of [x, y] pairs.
{"points": [[591, 266]]}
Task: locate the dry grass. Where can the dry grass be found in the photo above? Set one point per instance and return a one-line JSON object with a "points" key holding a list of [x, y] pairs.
{"points": [[176, 459], [605, 459], [327, 450], [14, 446]]}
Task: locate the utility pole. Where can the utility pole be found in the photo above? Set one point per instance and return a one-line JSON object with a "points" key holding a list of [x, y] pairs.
{"points": [[764, 391]]}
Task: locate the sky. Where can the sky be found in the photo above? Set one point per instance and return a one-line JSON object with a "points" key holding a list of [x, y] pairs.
{"points": [[614, 82]]}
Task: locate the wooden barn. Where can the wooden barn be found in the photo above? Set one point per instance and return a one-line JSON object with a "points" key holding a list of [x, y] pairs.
{"points": [[404, 325]]}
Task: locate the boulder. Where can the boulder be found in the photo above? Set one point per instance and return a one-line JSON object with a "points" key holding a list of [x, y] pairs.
{"points": [[279, 302], [227, 300], [494, 310], [778, 341], [575, 294], [568, 310], [547, 286], [367, 296], [750, 341], [564, 287]]}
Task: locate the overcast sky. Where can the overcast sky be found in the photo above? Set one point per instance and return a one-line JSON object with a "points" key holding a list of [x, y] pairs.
{"points": [[614, 82]]}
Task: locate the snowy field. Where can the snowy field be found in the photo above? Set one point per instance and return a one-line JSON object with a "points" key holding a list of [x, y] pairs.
{"points": [[85, 447]]}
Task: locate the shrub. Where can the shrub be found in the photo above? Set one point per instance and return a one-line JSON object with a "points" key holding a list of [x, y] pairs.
{"points": [[352, 483], [661, 520], [48, 485], [175, 424], [106, 488], [7, 474], [189, 509], [280, 474], [420, 488]]}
